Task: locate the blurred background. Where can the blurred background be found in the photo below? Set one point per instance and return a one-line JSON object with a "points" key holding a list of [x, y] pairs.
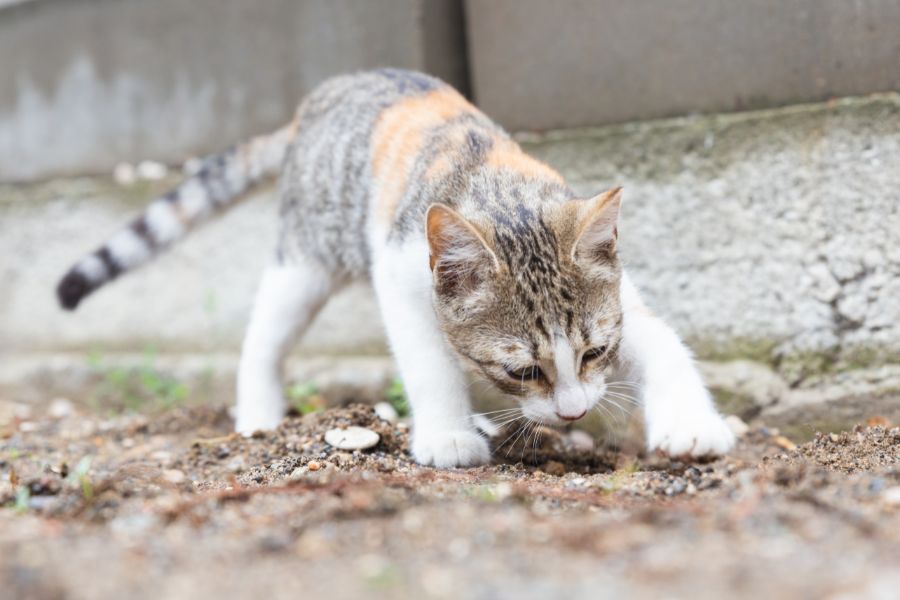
{"points": [[758, 142]]}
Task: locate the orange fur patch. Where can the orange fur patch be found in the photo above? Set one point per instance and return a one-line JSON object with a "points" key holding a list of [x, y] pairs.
{"points": [[397, 141], [508, 155]]}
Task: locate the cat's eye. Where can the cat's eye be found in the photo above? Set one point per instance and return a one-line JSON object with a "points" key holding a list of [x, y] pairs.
{"points": [[593, 354], [532, 373]]}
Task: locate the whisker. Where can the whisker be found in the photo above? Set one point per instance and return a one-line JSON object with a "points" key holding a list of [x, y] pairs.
{"points": [[516, 439], [512, 434], [630, 399]]}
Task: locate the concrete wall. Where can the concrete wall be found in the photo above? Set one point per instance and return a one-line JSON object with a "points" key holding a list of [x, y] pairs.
{"points": [[540, 65], [767, 238], [89, 83]]}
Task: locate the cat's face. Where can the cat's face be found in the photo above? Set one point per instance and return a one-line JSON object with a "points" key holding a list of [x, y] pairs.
{"points": [[533, 302]]}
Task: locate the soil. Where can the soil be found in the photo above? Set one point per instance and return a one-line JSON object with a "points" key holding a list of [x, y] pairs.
{"points": [[174, 506]]}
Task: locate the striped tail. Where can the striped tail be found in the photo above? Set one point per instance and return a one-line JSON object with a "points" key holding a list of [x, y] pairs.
{"points": [[221, 180]]}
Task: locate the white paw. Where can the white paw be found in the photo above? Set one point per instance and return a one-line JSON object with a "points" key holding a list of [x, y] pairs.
{"points": [[691, 433], [444, 449]]}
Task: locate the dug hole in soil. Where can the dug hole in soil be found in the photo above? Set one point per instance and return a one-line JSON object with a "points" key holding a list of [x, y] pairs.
{"points": [[175, 506]]}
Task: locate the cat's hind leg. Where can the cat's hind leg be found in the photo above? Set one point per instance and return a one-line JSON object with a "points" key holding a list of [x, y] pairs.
{"points": [[288, 299]]}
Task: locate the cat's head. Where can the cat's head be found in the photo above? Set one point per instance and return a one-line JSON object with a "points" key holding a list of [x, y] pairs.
{"points": [[531, 299]]}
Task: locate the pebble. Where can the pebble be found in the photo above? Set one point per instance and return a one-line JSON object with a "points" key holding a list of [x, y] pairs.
{"points": [[342, 458], [386, 412], [581, 440], [891, 496], [237, 464], [174, 476], [784, 443], [61, 407], [352, 438], [678, 486], [737, 425], [124, 174], [313, 465], [151, 170], [555, 468]]}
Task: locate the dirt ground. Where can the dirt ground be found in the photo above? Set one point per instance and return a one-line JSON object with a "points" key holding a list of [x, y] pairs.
{"points": [[173, 506]]}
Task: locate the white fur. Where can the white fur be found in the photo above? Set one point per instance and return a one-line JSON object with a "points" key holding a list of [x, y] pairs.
{"points": [[128, 249], [679, 413], [287, 301], [570, 395], [444, 434], [92, 268], [193, 200], [163, 221]]}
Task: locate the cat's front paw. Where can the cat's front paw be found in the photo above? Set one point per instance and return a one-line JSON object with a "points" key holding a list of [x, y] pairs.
{"points": [[693, 434], [444, 449]]}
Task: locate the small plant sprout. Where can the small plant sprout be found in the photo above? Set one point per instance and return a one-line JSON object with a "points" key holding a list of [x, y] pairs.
{"points": [[23, 498], [305, 398], [396, 396], [79, 476], [138, 386]]}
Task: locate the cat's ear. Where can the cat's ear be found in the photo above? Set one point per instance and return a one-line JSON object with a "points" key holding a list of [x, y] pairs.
{"points": [[460, 258], [596, 226]]}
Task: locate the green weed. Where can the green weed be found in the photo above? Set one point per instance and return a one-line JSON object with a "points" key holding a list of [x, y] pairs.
{"points": [[305, 398], [136, 387], [396, 396]]}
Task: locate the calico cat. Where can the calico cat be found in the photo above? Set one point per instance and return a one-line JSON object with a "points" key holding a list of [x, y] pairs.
{"points": [[478, 253]]}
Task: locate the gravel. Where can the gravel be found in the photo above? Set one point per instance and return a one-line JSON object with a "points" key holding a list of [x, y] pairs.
{"points": [[176, 506]]}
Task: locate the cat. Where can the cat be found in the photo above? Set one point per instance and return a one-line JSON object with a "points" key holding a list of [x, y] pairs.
{"points": [[479, 255]]}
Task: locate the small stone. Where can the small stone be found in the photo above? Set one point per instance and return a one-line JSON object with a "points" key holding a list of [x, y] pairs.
{"points": [[678, 486], [555, 468], [151, 170], [878, 422], [60, 408], [737, 425], [236, 464], [341, 458], [313, 465], [174, 476], [352, 438], [124, 174], [581, 440], [576, 482], [386, 412], [503, 490], [402, 426], [891, 496], [784, 443]]}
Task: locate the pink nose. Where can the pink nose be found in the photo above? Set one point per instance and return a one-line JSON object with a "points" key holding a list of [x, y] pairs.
{"points": [[570, 418]]}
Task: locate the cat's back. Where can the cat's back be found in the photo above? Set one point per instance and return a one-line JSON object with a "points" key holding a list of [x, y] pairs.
{"points": [[357, 137]]}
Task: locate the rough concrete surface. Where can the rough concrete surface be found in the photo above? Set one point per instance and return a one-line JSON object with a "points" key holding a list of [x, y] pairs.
{"points": [[767, 238], [538, 65]]}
